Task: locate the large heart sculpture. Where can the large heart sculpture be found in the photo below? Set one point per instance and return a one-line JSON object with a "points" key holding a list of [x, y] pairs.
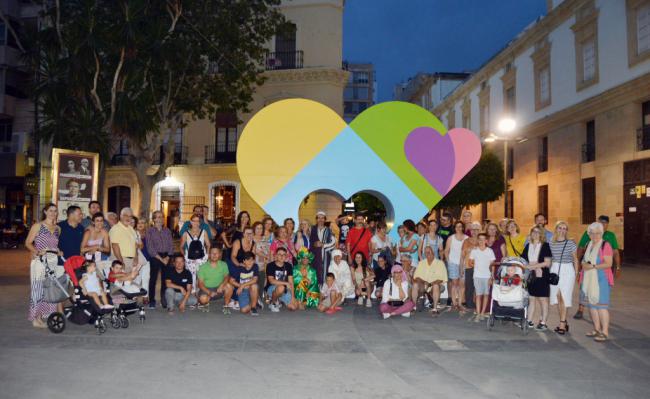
{"points": [[395, 150]]}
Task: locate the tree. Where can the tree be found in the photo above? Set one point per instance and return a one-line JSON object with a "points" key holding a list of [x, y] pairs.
{"points": [[134, 71], [484, 183]]}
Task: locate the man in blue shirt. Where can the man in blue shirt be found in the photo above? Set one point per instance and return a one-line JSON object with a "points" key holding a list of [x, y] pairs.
{"points": [[72, 232]]}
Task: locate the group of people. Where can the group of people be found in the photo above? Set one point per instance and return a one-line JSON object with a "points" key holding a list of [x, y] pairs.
{"points": [[330, 263]]}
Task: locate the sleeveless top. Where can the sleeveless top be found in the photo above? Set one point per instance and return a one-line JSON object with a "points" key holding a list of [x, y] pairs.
{"points": [[97, 256], [455, 249], [46, 240], [242, 251]]}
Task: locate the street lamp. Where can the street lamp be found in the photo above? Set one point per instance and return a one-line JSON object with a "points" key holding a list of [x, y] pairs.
{"points": [[505, 127]]}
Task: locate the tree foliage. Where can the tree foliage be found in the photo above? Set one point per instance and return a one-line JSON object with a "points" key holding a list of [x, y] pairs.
{"points": [[484, 183], [137, 70]]}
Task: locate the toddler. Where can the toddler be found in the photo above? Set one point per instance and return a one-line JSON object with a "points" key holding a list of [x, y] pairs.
{"points": [[93, 287]]}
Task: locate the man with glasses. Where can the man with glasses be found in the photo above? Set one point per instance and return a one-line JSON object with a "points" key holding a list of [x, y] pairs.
{"points": [[160, 247], [280, 282]]}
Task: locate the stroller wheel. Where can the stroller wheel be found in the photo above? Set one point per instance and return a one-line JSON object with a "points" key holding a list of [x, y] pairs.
{"points": [[115, 322], [101, 326], [490, 322], [125, 322], [56, 322], [142, 318]]}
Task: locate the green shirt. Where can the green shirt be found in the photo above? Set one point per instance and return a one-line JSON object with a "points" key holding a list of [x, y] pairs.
{"points": [[608, 236], [213, 276]]}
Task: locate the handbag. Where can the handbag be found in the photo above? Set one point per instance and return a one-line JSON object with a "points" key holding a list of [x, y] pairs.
{"points": [[554, 278], [396, 303], [55, 289]]}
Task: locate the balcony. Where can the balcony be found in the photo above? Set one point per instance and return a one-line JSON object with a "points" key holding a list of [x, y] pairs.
{"points": [[283, 60], [588, 153], [180, 155], [218, 154], [643, 138]]}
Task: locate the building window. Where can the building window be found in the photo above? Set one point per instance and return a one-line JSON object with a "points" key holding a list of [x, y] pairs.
{"points": [[484, 108], [3, 34], [545, 85], [542, 73], [361, 93], [119, 197], [589, 147], [347, 107], [542, 164], [361, 77], [485, 118], [510, 100], [511, 163], [588, 200], [484, 211], [585, 32], [509, 80], [542, 200], [638, 31], [348, 93], [643, 134], [225, 139], [466, 110], [509, 206]]}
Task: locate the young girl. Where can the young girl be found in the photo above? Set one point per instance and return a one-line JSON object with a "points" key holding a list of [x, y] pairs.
{"points": [[92, 287], [362, 277]]}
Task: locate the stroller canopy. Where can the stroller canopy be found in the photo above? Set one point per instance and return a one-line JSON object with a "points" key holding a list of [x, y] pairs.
{"points": [[71, 265]]}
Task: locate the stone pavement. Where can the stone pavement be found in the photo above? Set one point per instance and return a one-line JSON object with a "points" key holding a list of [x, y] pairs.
{"points": [[351, 354]]}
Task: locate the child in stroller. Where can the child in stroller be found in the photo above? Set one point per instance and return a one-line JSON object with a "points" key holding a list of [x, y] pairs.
{"points": [[123, 281], [91, 285], [509, 294]]}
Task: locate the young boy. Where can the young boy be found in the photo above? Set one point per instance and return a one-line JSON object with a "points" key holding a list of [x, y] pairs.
{"points": [[330, 297], [244, 280], [122, 280], [482, 258], [93, 287]]}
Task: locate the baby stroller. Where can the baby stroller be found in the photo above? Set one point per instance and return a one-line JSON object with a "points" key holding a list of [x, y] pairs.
{"points": [[84, 310], [509, 294]]}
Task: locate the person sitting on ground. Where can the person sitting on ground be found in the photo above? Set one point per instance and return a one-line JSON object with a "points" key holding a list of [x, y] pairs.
{"points": [[244, 279], [305, 280], [430, 274], [91, 286], [179, 286], [280, 282], [341, 271], [363, 279], [382, 273], [395, 297], [330, 296], [482, 258], [123, 281], [214, 280]]}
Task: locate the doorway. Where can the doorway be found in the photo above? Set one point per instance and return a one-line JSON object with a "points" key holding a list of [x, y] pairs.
{"points": [[636, 205], [170, 205], [119, 197]]}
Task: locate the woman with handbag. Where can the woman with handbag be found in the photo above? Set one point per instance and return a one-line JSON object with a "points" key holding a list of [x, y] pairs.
{"points": [[538, 255], [562, 276], [395, 296], [43, 244], [596, 279]]}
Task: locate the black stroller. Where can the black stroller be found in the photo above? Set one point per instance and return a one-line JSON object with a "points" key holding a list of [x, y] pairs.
{"points": [[84, 310]]}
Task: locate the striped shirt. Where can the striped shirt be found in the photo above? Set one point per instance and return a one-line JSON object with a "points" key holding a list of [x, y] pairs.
{"points": [[557, 248], [46, 240]]}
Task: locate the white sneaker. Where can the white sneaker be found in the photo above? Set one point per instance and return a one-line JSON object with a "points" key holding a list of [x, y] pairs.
{"points": [[274, 308], [368, 303], [235, 306], [360, 301], [385, 315], [407, 314]]}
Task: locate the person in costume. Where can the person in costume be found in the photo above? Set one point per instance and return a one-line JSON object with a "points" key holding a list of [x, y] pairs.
{"points": [[305, 280]]}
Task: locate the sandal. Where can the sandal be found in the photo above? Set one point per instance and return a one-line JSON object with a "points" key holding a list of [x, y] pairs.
{"points": [[435, 313], [601, 337], [592, 334], [564, 330]]}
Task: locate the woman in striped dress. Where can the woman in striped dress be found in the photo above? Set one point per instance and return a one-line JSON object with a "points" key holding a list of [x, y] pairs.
{"points": [[565, 265], [42, 240]]}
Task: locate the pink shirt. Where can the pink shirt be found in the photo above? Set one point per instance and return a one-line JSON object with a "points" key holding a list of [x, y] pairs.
{"points": [[277, 243], [605, 250]]}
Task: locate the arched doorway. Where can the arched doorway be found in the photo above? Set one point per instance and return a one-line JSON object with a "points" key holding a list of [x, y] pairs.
{"points": [[118, 197]]}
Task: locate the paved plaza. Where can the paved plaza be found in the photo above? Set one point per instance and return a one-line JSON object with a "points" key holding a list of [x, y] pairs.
{"points": [[351, 354]]}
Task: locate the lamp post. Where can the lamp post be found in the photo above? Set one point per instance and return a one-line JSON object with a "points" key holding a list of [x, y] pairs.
{"points": [[505, 127]]}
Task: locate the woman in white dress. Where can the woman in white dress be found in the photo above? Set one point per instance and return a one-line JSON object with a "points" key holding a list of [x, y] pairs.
{"points": [[564, 265]]}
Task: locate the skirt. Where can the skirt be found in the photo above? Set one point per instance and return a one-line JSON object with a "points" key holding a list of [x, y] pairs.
{"points": [[453, 271], [192, 265], [604, 291], [38, 308], [565, 285]]}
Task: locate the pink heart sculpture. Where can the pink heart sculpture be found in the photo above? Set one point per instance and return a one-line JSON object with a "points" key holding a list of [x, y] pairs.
{"points": [[443, 160]]}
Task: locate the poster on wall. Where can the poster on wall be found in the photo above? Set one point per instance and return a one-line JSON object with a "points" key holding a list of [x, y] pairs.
{"points": [[74, 179]]}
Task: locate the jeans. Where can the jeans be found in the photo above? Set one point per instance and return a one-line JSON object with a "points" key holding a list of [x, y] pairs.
{"points": [[174, 298], [469, 288], [155, 267]]}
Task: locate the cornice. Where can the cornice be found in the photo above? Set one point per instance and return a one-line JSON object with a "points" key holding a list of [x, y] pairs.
{"points": [[317, 75]]}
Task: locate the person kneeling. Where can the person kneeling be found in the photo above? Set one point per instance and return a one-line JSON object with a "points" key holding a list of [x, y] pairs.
{"points": [[280, 282], [395, 299], [244, 280], [430, 275], [213, 281], [179, 286], [330, 296]]}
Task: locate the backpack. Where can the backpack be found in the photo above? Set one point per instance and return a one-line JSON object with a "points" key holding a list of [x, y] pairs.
{"points": [[195, 250]]}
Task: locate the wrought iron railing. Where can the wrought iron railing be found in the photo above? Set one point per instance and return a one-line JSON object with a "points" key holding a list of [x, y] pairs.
{"points": [[180, 155], [220, 154], [284, 60]]}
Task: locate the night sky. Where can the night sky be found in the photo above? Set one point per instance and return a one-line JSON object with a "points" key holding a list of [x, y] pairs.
{"points": [[404, 37]]}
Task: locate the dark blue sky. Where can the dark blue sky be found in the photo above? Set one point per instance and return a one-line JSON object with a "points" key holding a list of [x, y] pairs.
{"points": [[403, 37]]}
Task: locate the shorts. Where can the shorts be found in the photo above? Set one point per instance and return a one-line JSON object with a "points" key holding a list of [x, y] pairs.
{"points": [[453, 271], [244, 298], [481, 286], [284, 298], [210, 290]]}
